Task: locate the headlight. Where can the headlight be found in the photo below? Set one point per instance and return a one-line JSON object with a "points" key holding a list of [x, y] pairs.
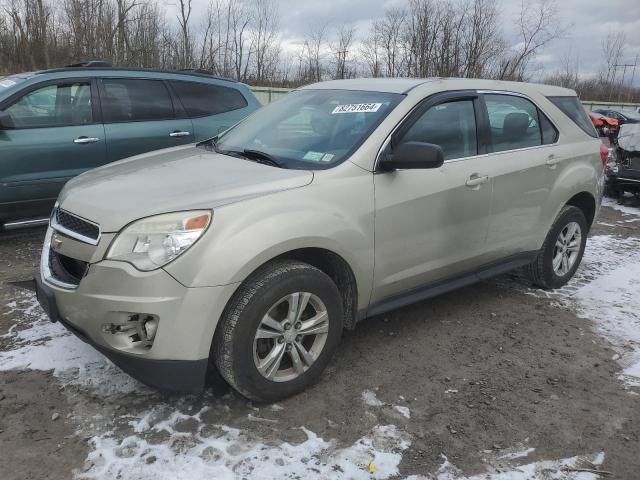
{"points": [[152, 242]]}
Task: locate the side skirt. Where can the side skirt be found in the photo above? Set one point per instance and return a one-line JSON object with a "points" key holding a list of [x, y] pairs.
{"points": [[443, 286]]}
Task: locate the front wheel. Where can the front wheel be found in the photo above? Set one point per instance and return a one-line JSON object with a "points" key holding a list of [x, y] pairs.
{"points": [[562, 250], [279, 331]]}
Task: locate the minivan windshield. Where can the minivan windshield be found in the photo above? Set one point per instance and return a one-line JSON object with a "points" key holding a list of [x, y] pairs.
{"points": [[10, 81], [309, 129]]}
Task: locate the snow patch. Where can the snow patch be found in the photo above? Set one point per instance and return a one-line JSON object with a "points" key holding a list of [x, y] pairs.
{"points": [[625, 209], [370, 398], [37, 344], [606, 290], [517, 454], [542, 470], [230, 453], [404, 411]]}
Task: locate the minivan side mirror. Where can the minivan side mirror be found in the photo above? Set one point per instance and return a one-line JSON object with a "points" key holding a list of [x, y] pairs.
{"points": [[413, 155], [5, 120]]}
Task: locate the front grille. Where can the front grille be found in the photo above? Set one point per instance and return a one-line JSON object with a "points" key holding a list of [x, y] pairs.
{"points": [[66, 269], [77, 225]]}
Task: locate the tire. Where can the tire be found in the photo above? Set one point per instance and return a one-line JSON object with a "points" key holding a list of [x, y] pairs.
{"points": [[237, 352], [541, 271]]}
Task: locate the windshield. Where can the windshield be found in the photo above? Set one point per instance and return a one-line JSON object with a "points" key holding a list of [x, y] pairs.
{"points": [[7, 82], [309, 129]]}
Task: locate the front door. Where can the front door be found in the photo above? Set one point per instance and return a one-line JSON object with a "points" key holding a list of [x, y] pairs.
{"points": [[140, 116], [56, 134], [432, 224]]}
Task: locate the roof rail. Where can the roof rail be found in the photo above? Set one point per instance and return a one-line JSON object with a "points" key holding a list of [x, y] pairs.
{"points": [[104, 66], [201, 71], [90, 63]]}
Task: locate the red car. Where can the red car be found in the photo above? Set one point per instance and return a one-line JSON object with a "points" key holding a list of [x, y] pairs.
{"points": [[606, 126]]}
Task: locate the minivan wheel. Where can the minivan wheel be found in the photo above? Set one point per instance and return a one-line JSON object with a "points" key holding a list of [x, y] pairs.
{"points": [[562, 250], [279, 331]]}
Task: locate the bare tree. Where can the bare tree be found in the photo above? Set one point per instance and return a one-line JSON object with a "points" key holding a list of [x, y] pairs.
{"points": [[340, 49], [538, 25], [241, 39], [264, 39], [183, 21], [370, 51], [482, 43], [612, 49], [311, 65], [390, 38]]}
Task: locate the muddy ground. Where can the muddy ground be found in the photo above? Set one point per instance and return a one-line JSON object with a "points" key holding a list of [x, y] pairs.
{"points": [[495, 367]]}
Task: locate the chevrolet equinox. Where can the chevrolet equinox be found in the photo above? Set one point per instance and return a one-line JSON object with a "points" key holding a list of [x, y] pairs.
{"points": [[249, 253]]}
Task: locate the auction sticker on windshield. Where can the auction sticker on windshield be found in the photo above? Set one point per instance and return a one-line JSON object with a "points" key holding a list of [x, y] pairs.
{"points": [[356, 108]]}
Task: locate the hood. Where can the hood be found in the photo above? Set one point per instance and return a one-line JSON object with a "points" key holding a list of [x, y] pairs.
{"points": [[180, 178]]}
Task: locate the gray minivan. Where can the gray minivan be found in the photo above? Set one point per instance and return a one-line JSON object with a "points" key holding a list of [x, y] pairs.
{"points": [[56, 124]]}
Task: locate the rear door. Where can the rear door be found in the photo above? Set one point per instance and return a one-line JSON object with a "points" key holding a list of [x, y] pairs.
{"points": [[211, 108], [141, 115], [432, 224], [57, 134], [523, 164]]}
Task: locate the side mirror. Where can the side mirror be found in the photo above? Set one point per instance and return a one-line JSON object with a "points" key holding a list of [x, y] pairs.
{"points": [[413, 155], [6, 121]]}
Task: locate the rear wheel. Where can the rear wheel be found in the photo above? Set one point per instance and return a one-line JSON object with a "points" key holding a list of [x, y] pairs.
{"points": [[279, 331], [562, 250]]}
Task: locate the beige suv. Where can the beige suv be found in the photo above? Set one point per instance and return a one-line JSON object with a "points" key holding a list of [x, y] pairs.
{"points": [[251, 252]]}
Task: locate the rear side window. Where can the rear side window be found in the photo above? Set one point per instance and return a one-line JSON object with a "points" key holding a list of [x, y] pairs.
{"points": [[201, 99], [134, 100], [573, 109], [514, 122], [450, 125]]}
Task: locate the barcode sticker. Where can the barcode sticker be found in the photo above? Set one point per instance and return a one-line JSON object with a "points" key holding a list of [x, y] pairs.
{"points": [[357, 108]]}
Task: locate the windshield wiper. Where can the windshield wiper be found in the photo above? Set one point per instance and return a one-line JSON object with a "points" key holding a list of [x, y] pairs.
{"points": [[252, 155], [262, 157]]}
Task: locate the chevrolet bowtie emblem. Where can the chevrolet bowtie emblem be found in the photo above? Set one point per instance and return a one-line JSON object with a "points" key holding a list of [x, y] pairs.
{"points": [[56, 241]]}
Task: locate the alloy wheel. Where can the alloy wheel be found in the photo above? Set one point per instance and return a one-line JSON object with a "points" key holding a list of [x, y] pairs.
{"points": [[567, 249], [290, 337]]}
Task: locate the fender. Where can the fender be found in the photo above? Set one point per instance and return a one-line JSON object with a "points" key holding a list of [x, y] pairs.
{"points": [[334, 212], [576, 175]]}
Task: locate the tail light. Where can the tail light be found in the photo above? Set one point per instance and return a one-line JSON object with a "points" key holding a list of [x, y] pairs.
{"points": [[604, 154]]}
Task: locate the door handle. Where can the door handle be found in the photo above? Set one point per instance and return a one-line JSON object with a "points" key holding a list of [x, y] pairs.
{"points": [[552, 161], [475, 180], [82, 140], [179, 133]]}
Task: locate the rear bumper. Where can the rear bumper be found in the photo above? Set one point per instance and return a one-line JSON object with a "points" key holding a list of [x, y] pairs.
{"points": [[175, 375]]}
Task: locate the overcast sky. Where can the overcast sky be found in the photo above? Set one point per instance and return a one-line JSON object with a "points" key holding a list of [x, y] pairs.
{"points": [[588, 22]]}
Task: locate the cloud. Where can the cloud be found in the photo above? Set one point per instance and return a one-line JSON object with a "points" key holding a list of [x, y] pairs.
{"points": [[586, 24]]}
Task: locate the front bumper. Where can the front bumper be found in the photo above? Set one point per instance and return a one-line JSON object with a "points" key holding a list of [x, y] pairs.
{"points": [[113, 297], [176, 375]]}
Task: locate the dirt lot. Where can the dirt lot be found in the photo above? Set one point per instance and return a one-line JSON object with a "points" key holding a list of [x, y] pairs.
{"points": [[497, 379]]}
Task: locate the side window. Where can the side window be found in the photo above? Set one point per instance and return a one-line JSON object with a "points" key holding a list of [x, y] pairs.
{"points": [[134, 100], [57, 105], [201, 99], [549, 132], [450, 125], [513, 121]]}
